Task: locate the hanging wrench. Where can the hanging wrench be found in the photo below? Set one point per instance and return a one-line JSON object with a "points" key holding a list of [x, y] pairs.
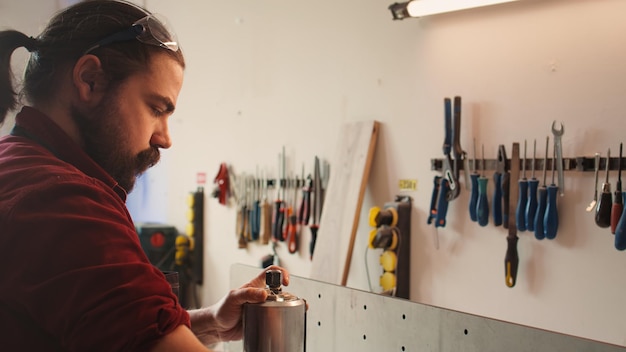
{"points": [[559, 155]]}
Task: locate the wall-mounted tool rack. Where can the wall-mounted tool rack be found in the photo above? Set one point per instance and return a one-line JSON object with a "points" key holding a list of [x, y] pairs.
{"points": [[582, 163]]}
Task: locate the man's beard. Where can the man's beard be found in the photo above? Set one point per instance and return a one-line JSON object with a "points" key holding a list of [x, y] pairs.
{"points": [[106, 142]]}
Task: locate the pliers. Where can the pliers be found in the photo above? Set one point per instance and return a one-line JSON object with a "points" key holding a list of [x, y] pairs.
{"points": [[460, 156], [446, 187], [450, 169]]}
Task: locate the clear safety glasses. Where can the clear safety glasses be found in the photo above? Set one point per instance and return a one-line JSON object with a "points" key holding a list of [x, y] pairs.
{"points": [[152, 29]]}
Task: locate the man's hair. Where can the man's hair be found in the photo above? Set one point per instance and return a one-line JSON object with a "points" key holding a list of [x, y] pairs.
{"points": [[65, 39]]}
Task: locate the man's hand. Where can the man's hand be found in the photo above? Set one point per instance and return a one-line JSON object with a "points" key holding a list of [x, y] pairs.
{"points": [[222, 321]]}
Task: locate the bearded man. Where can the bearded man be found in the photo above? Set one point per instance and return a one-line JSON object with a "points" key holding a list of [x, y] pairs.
{"points": [[101, 82]]}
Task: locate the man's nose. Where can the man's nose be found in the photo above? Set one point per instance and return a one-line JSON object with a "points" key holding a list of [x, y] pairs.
{"points": [[161, 137]]}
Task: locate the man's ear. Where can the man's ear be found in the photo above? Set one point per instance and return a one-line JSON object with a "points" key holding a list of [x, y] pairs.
{"points": [[88, 79]]}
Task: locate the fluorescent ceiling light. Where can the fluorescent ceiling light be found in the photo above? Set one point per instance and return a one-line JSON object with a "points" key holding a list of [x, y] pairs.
{"points": [[421, 8]]}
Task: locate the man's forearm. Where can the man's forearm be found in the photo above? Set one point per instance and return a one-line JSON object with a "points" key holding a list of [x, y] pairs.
{"points": [[204, 325]]}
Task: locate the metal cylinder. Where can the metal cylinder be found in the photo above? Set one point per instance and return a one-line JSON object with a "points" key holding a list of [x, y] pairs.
{"points": [[276, 325]]}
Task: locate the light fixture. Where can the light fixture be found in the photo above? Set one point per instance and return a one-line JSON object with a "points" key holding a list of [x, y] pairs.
{"points": [[421, 8]]}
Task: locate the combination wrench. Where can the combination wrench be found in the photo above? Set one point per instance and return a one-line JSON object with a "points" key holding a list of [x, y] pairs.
{"points": [[559, 155]]}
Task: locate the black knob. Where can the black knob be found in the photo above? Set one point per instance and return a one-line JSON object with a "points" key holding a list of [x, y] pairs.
{"points": [[273, 278]]}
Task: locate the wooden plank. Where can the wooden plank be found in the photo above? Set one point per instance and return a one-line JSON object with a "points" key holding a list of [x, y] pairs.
{"points": [[350, 168]]}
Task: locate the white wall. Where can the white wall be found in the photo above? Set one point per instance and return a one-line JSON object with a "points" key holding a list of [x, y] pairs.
{"points": [[263, 74]]}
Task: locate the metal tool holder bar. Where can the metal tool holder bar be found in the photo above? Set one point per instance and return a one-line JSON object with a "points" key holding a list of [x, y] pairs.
{"points": [[582, 163], [284, 182]]}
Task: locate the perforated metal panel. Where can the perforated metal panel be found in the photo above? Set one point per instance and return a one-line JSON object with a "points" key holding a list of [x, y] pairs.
{"points": [[344, 319]]}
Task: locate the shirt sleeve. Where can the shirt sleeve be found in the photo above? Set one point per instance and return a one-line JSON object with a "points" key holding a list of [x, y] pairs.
{"points": [[82, 274]]}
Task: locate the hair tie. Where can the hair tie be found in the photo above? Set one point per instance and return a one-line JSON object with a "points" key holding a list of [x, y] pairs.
{"points": [[31, 44]]}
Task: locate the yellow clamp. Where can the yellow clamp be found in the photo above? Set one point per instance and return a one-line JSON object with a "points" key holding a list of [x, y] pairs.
{"points": [[184, 245]]}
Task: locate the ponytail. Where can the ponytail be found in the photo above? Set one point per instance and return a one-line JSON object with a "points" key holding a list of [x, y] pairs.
{"points": [[9, 41]]}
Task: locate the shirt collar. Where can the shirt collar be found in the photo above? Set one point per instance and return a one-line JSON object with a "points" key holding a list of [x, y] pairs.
{"points": [[38, 127]]}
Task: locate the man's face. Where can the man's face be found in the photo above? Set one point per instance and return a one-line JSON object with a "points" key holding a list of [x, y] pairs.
{"points": [[124, 132]]}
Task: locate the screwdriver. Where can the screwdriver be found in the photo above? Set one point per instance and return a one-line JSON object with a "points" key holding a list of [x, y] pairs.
{"points": [[317, 205], [482, 207], [291, 232], [265, 226], [551, 218], [505, 187], [603, 209], [523, 197], [442, 203], [279, 210], [543, 197], [255, 212], [592, 205], [620, 230], [433, 199], [304, 212], [474, 192], [533, 183], [288, 208], [618, 204], [497, 193]]}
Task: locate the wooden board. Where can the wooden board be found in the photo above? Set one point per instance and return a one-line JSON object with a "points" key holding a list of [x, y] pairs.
{"points": [[349, 171]]}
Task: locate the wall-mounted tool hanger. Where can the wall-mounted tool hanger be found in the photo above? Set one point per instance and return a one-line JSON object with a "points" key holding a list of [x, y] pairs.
{"points": [[583, 163]]}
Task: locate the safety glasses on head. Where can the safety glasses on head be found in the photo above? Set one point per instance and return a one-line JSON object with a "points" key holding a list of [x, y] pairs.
{"points": [[152, 29]]}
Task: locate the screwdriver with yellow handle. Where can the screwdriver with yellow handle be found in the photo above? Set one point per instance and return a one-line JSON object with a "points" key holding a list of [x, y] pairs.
{"points": [[511, 259]]}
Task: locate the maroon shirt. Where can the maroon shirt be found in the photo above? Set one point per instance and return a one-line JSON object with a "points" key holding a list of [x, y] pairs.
{"points": [[74, 276]]}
